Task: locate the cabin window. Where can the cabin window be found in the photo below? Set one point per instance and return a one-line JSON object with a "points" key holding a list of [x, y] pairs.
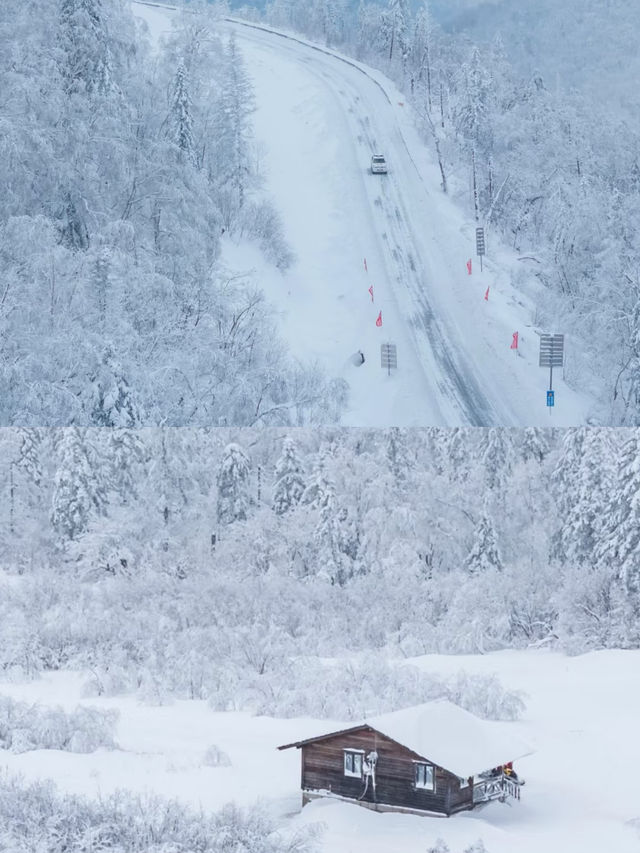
{"points": [[425, 776], [464, 783], [353, 763]]}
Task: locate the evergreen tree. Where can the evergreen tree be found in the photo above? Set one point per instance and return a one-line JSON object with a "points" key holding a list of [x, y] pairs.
{"points": [[534, 444], [398, 455], [496, 457], [78, 489], [398, 22], [289, 481], [619, 543], [126, 455], [181, 121], [457, 452], [564, 483], [112, 401], [235, 128], [320, 487], [232, 481], [592, 486], [29, 460], [484, 553], [84, 41], [331, 563]]}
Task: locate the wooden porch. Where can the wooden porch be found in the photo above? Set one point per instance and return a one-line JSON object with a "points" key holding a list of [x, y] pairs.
{"points": [[495, 788]]}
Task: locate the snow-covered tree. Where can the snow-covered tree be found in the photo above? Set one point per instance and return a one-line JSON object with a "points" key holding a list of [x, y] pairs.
{"points": [[619, 540], [85, 47], [78, 489], [484, 553], [535, 444], [289, 478], [232, 483], [237, 105], [180, 116]]}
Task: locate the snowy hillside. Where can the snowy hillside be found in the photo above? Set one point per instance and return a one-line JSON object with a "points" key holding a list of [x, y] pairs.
{"points": [[580, 715], [318, 120]]}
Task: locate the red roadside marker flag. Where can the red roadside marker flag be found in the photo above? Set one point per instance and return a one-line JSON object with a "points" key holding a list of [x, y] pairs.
{"points": [[379, 320], [371, 292], [486, 295], [365, 265], [514, 342], [469, 266]]}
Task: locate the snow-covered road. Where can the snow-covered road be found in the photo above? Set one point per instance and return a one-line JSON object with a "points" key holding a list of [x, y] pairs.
{"points": [[319, 118]]}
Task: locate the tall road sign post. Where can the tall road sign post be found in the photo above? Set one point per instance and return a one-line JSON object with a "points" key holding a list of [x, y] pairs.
{"points": [[480, 247], [551, 355]]}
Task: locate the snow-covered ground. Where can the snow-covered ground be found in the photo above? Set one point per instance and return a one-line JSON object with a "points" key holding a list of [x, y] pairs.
{"points": [[318, 120], [581, 783]]}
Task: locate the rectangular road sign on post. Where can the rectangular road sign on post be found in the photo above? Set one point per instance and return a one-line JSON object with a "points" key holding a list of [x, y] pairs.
{"points": [[551, 350], [388, 357], [551, 355], [480, 249]]}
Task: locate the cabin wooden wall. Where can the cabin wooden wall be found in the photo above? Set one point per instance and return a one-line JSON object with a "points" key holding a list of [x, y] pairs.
{"points": [[323, 769]]}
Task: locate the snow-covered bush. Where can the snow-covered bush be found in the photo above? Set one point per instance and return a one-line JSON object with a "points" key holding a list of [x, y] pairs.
{"points": [[484, 696], [476, 847], [216, 757], [26, 727], [36, 816], [260, 221], [370, 686], [440, 846]]}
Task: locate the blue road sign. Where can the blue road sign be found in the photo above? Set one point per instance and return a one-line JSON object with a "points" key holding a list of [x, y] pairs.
{"points": [[550, 398]]}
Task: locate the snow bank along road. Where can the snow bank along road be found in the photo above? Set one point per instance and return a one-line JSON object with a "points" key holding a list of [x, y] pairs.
{"points": [[321, 116]]}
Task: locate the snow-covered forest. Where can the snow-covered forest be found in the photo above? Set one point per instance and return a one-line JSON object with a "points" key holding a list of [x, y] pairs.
{"points": [[203, 564], [121, 170], [549, 168]]}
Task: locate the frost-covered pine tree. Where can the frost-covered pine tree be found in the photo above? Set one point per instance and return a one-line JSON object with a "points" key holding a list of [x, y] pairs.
{"points": [[320, 487], [112, 402], [330, 562], [534, 444], [484, 553], [619, 543], [457, 453], [398, 454], [126, 454], [422, 51], [78, 489], [564, 482], [496, 452], [398, 24], [180, 119], [289, 479], [592, 486], [235, 127], [232, 481], [84, 42], [29, 459]]}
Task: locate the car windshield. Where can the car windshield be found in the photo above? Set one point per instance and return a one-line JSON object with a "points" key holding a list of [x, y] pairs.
{"points": [[378, 158]]}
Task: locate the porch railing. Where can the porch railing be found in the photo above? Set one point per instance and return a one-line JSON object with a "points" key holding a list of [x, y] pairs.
{"points": [[495, 788]]}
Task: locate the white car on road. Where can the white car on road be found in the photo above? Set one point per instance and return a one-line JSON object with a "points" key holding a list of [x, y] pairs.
{"points": [[378, 164]]}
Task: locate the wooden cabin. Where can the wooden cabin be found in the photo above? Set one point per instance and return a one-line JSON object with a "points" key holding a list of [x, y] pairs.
{"points": [[431, 759]]}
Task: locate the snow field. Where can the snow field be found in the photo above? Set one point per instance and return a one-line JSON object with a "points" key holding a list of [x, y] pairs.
{"points": [[580, 792]]}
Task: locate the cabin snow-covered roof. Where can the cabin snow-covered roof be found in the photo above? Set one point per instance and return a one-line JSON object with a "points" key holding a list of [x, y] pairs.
{"points": [[446, 735]]}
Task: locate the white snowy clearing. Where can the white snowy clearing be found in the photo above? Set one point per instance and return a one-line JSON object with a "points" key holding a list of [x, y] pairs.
{"points": [[319, 118], [581, 782]]}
